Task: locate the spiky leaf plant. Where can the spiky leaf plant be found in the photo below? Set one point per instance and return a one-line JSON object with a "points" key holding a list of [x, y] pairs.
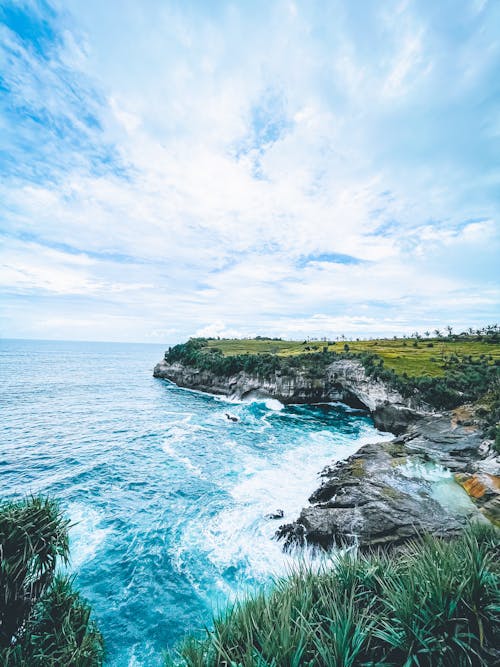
{"points": [[43, 621], [61, 632], [33, 534], [431, 604]]}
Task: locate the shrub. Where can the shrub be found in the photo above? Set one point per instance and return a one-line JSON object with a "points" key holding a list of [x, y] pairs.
{"points": [[43, 621], [496, 444], [464, 379]]}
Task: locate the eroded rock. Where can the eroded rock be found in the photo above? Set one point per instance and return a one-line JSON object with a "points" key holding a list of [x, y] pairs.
{"points": [[344, 380]]}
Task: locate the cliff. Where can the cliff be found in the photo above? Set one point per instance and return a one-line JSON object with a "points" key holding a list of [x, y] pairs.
{"points": [[374, 498], [296, 388], [344, 380]]}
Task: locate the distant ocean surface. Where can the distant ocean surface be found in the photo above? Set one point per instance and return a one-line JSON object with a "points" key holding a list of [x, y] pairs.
{"points": [[167, 496]]}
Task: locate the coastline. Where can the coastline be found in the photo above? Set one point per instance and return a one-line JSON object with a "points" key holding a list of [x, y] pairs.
{"points": [[345, 381], [370, 498]]}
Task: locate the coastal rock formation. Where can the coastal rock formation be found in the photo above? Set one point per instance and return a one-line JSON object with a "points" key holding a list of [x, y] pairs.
{"points": [[344, 380], [348, 381], [296, 388], [379, 496]]}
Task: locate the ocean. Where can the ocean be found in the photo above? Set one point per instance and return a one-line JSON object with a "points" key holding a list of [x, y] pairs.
{"points": [[167, 497]]}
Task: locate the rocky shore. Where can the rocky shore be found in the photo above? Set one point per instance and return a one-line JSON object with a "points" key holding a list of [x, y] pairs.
{"points": [[378, 496]]}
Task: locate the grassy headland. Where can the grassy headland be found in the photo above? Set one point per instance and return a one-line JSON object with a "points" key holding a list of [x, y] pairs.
{"points": [[413, 356], [442, 371]]}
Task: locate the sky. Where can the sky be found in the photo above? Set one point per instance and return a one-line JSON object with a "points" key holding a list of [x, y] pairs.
{"points": [[316, 168]]}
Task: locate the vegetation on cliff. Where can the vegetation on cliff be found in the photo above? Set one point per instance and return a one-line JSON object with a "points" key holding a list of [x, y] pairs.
{"points": [[463, 379], [489, 411], [442, 372], [43, 621], [420, 354], [432, 604]]}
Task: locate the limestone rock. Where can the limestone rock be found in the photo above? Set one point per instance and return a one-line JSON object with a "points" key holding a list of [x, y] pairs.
{"points": [[344, 380]]}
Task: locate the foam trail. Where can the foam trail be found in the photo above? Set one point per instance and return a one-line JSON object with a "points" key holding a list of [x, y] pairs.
{"points": [[238, 540], [173, 454], [86, 533]]}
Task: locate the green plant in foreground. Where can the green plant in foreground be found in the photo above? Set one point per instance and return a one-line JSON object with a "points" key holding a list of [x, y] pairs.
{"points": [[432, 604], [496, 444], [43, 621]]}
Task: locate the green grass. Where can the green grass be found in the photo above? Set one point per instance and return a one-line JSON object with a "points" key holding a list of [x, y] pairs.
{"points": [[433, 604], [399, 355]]}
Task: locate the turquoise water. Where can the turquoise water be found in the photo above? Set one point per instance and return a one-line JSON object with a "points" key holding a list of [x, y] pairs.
{"points": [[166, 495]]}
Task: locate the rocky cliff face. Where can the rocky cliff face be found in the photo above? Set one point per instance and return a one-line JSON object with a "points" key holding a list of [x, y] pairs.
{"points": [[349, 382], [296, 388], [344, 380]]}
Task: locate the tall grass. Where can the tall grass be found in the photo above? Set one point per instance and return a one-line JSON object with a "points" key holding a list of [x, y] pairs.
{"points": [[432, 604]]}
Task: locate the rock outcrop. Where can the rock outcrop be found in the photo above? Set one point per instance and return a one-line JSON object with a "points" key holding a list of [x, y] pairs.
{"points": [[379, 496], [348, 381]]}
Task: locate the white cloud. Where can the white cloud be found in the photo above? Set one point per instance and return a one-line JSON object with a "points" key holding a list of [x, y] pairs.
{"points": [[227, 144], [218, 330], [130, 121]]}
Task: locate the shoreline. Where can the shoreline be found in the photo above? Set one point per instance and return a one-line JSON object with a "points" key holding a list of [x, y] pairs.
{"points": [[368, 498]]}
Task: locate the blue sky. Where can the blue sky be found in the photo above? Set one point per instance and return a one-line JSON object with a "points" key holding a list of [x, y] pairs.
{"points": [[242, 168]]}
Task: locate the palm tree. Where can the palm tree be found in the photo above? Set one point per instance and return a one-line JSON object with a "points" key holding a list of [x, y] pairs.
{"points": [[33, 534]]}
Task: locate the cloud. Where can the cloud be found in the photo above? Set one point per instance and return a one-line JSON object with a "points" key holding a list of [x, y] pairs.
{"points": [[252, 169], [218, 330]]}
